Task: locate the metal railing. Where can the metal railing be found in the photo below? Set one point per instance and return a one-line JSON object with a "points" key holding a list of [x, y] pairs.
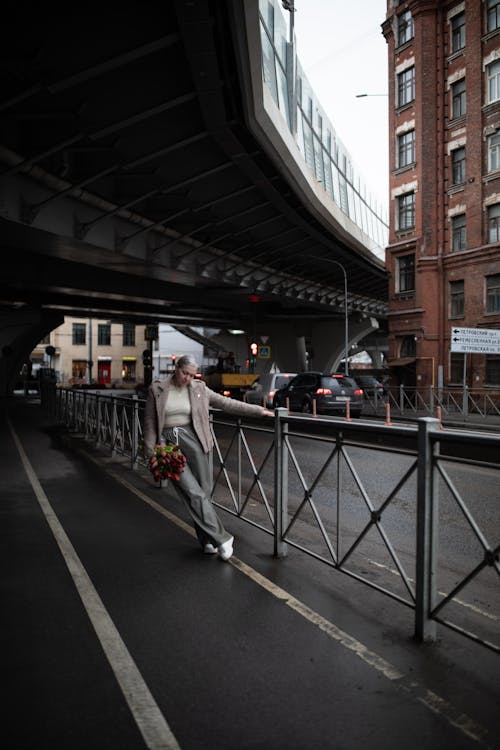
{"points": [[314, 484], [457, 403]]}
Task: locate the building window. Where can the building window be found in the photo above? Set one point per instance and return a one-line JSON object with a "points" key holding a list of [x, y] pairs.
{"points": [[493, 15], [492, 369], [456, 299], [494, 152], [458, 165], [493, 294], [493, 72], [104, 334], [458, 232], [458, 32], [128, 334], [406, 211], [79, 368], [458, 99], [494, 223], [406, 149], [406, 86], [405, 27], [456, 368], [405, 277], [79, 334], [408, 347], [128, 370]]}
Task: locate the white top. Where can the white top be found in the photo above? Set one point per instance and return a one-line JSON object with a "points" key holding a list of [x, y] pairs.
{"points": [[178, 407]]}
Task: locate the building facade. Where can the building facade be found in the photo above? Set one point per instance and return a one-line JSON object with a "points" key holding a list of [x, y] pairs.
{"points": [[443, 256], [114, 349]]}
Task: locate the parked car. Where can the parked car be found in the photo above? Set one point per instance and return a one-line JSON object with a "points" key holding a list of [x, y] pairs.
{"points": [[331, 392], [370, 386], [266, 386]]}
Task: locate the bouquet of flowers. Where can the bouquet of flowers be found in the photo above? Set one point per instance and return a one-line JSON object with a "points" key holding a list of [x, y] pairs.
{"points": [[167, 462]]}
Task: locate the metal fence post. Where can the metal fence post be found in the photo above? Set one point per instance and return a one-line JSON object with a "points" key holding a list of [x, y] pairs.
{"points": [[97, 419], [240, 464], [113, 425], [134, 438], [401, 398], [427, 528], [211, 453], [280, 481]]}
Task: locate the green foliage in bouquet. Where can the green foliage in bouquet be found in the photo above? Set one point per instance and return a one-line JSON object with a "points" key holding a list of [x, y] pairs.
{"points": [[167, 462]]}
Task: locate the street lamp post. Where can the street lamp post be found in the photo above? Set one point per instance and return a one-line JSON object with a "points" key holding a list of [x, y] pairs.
{"points": [[346, 319]]}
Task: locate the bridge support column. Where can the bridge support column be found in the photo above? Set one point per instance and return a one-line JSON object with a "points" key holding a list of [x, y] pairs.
{"points": [[20, 331], [328, 340]]}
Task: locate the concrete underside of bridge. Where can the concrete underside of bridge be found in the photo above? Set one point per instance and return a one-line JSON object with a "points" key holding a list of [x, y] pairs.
{"points": [[138, 181]]}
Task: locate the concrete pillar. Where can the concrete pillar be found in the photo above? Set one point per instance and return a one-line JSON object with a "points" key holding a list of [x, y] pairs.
{"points": [[20, 331]]}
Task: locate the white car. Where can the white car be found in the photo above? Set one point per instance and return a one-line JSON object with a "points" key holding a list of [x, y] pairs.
{"points": [[263, 390]]}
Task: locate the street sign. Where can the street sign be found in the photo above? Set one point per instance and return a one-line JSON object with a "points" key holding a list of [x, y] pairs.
{"points": [[264, 352], [475, 340], [151, 332]]}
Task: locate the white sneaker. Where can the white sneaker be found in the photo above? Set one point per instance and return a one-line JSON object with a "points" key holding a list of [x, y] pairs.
{"points": [[209, 549], [226, 550]]}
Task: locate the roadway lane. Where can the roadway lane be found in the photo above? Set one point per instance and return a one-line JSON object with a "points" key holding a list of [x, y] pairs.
{"points": [[227, 662]]}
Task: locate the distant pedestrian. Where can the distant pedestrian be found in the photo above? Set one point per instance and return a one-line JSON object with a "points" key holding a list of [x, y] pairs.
{"points": [[177, 411]]}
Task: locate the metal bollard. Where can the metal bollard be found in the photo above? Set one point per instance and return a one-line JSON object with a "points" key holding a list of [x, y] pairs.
{"points": [[348, 411], [388, 414]]}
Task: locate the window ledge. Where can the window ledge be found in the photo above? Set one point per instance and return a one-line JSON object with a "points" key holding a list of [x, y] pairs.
{"points": [[458, 53], [491, 176], [400, 296], [406, 168], [490, 35], [491, 107], [455, 121], [404, 107], [404, 46], [456, 189], [402, 233]]}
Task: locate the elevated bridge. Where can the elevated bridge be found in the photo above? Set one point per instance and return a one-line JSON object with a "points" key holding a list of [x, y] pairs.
{"points": [[147, 173]]}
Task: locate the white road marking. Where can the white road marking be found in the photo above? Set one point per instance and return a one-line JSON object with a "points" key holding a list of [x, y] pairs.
{"points": [[473, 607], [145, 711]]}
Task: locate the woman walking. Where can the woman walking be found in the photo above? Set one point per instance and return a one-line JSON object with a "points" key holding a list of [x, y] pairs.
{"points": [[177, 411]]}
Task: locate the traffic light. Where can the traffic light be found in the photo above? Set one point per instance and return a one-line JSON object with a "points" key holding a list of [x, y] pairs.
{"points": [[253, 355]]}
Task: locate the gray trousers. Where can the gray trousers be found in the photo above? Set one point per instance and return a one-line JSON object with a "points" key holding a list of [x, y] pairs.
{"points": [[194, 486]]}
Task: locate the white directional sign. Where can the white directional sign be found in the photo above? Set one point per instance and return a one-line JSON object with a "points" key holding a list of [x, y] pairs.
{"points": [[475, 340]]}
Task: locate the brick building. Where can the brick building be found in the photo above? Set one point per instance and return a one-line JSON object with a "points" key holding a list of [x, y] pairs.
{"points": [[443, 256]]}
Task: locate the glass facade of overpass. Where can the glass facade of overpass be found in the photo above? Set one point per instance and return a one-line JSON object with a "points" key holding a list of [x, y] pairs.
{"points": [[322, 151]]}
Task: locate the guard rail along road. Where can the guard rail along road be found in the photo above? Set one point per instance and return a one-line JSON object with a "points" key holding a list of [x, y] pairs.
{"points": [[411, 511]]}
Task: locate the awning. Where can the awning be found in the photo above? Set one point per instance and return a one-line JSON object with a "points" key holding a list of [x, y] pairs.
{"points": [[401, 362], [103, 359], [129, 359]]}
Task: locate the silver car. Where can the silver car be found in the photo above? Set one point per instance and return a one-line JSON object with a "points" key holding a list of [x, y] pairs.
{"points": [[263, 390]]}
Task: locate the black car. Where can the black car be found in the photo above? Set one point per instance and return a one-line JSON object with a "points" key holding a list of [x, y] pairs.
{"points": [[331, 393], [371, 386]]}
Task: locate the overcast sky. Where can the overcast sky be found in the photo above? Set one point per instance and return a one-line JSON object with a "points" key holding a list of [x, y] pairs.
{"points": [[343, 52]]}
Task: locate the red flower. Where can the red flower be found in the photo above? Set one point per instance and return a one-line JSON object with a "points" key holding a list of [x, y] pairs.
{"points": [[167, 462]]}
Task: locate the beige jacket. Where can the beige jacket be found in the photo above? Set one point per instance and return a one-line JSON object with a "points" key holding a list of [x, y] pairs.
{"points": [[201, 398]]}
